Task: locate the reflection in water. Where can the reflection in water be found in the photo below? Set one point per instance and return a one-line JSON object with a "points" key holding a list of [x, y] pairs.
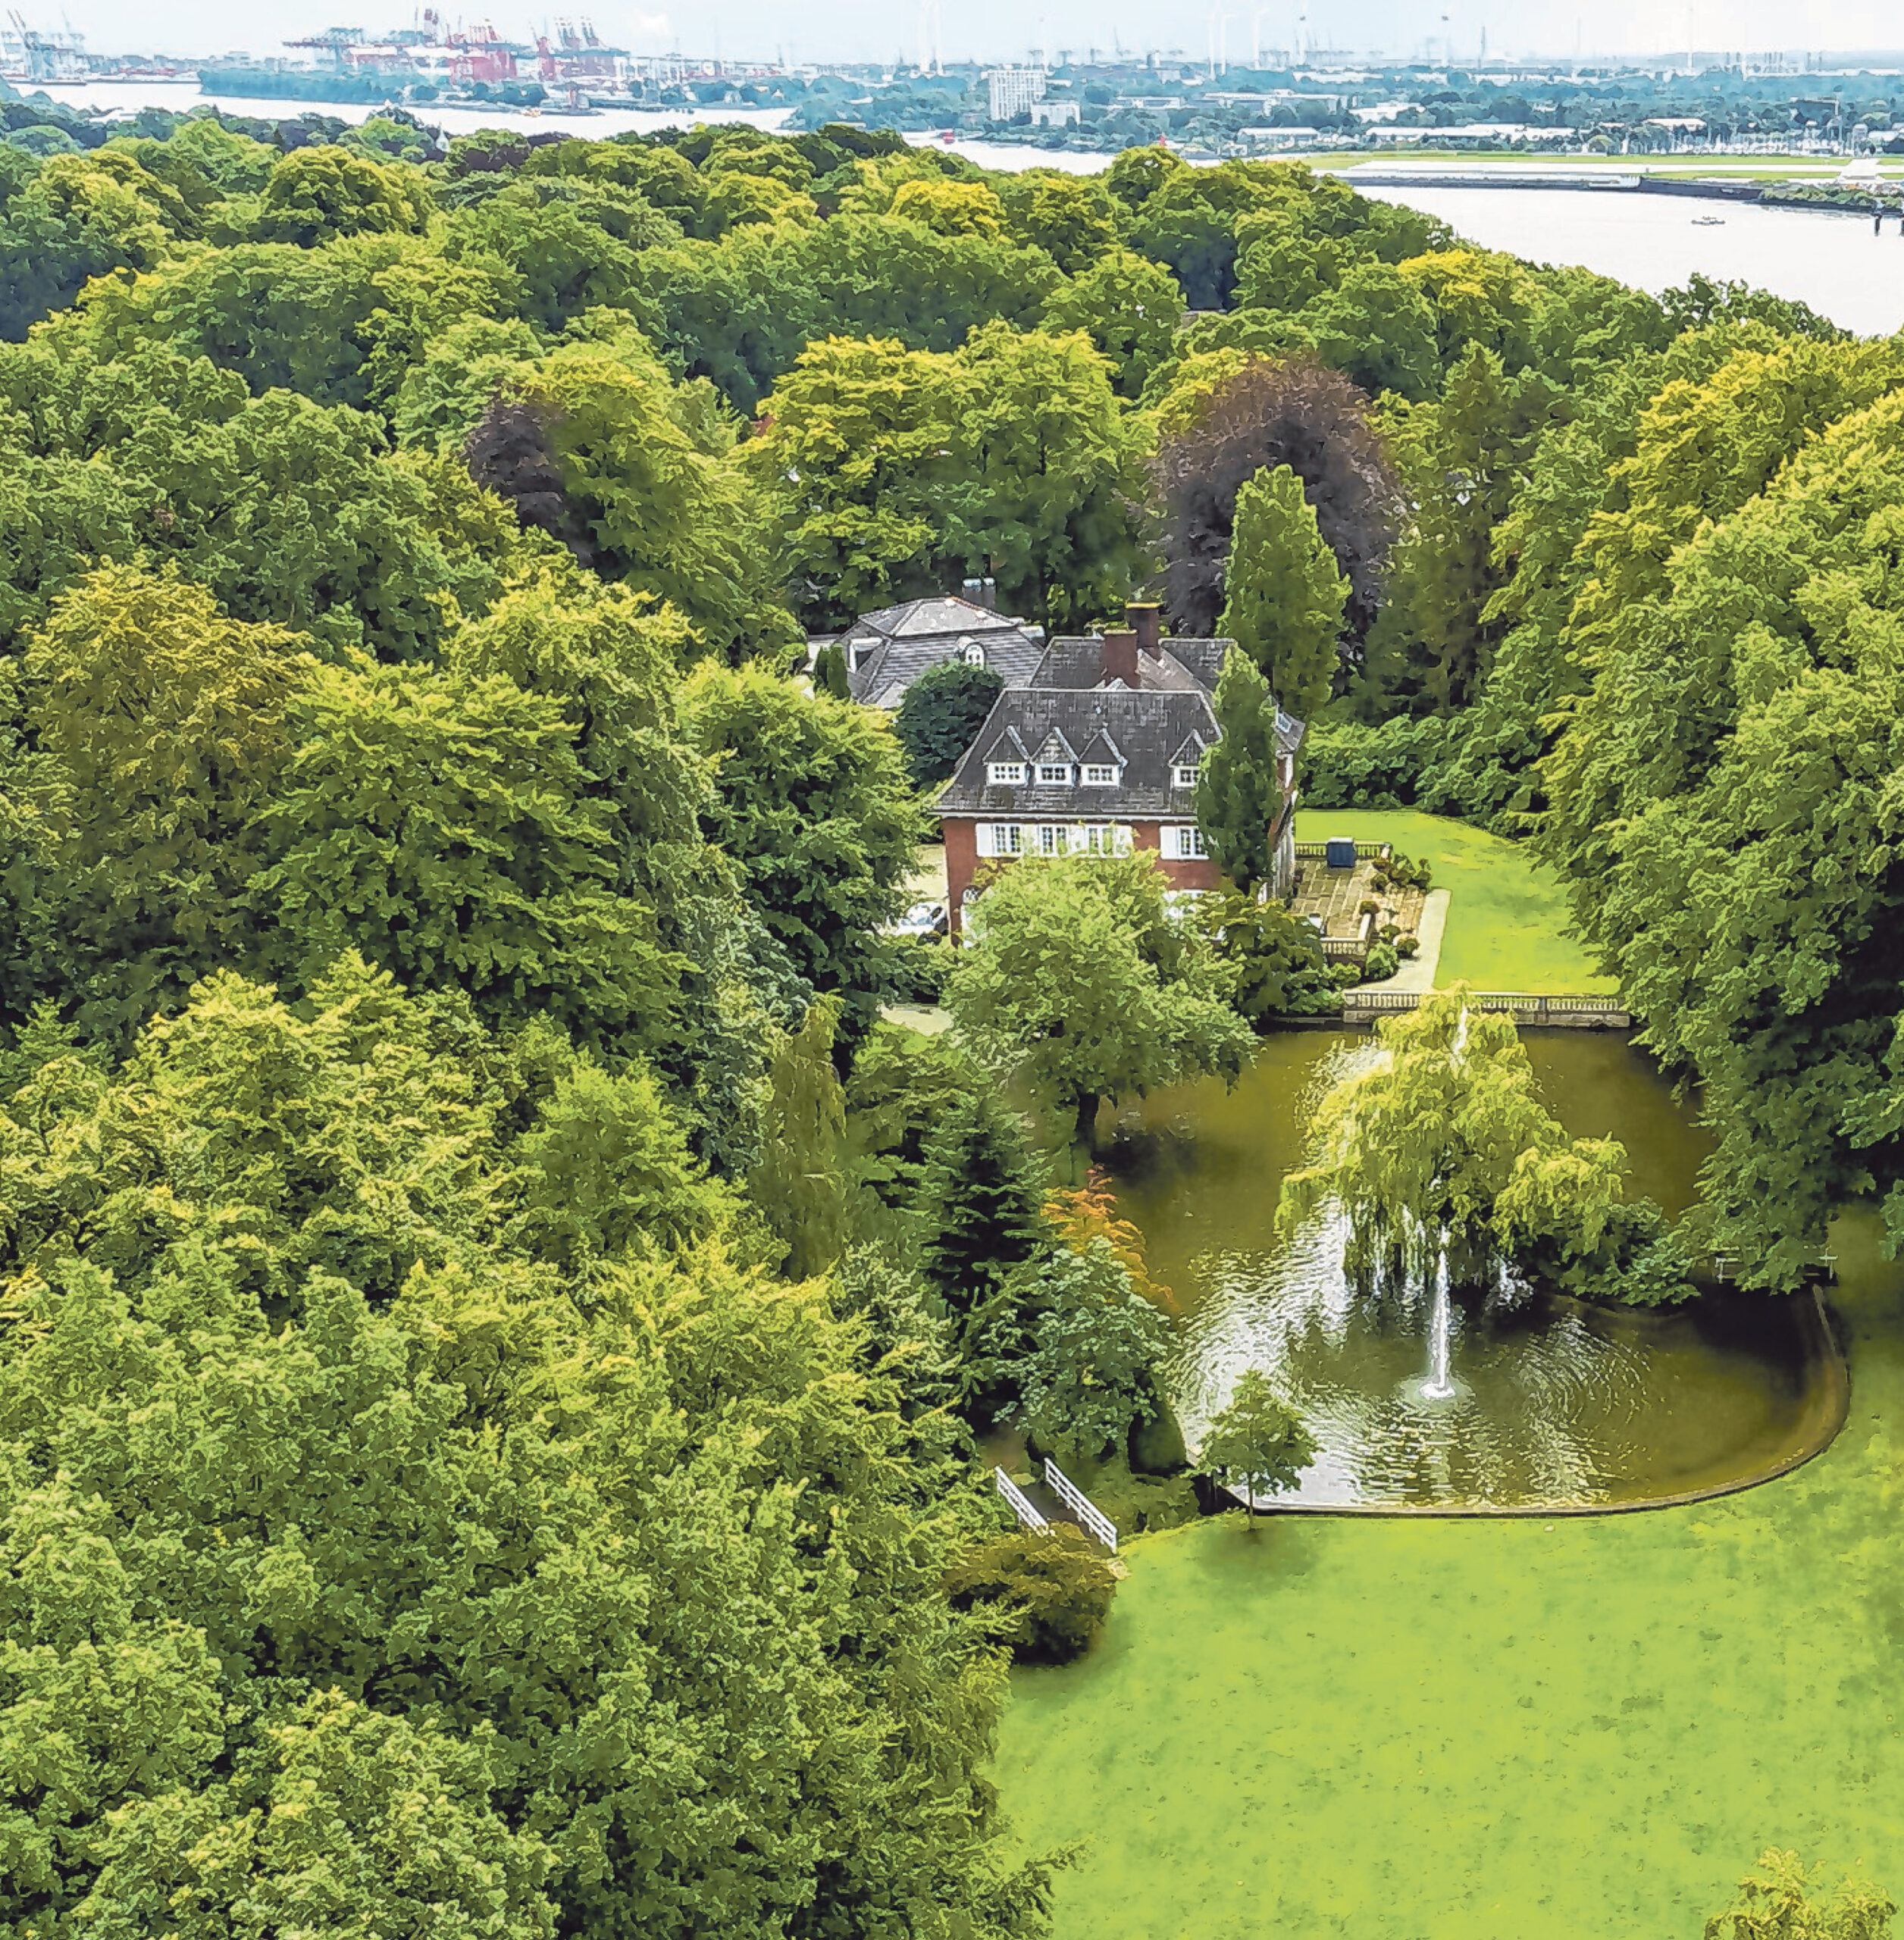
{"points": [[1555, 1402]]}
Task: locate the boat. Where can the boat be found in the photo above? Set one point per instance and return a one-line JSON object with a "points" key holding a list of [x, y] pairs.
{"points": [[1708, 222]]}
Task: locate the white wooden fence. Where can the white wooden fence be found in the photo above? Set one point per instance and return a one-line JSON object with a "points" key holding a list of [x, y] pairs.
{"points": [[1090, 1518], [1020, 1503]]}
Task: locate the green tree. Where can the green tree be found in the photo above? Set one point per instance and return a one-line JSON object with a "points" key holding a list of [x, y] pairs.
{"points": [[980, 1205], [1255, 1445], [941, 712], [438, 822], [1781, 1901], [1130, 307], [1239, 780], [813, 805], [1443, 1151], [1284, 596], [314, 194], [1463, 459], [829, 673], [800, 1184], [1075, 1346], [1080, 986], [1278, 958]]}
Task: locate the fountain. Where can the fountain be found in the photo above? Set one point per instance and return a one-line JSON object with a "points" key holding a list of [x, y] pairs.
{"points": [[1438, 1387], [1557, 1403]]}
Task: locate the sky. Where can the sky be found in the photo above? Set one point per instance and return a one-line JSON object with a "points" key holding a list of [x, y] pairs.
{"points": [[1011, 29]]}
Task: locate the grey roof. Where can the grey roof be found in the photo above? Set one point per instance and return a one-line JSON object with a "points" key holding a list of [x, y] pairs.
{"points": [[1182, 666], [1077, 661], [908, 639], [1145, 725]]}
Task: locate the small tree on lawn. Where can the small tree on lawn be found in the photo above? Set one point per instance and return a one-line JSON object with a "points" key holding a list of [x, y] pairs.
{"points": [[1284, 595], [943, 710], [1079, 985], [1238, 793], [1256, 1445]]}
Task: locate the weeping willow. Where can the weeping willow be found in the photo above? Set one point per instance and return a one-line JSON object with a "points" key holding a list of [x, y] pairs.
{"points": [[1443, 1148]]}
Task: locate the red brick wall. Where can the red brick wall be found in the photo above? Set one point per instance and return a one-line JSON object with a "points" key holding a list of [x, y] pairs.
{"points": [[963, 862]]}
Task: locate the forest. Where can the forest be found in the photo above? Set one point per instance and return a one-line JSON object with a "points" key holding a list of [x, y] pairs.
{"points": [[495, 1322]]}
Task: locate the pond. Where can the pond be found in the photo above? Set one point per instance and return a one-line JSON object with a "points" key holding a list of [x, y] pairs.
{"points": [[1557, 1405]]}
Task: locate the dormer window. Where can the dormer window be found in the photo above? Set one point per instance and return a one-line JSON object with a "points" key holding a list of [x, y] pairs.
{"points": [[1098, 775], [1008, 773], [972, 653], [1054, 773], [1184, 775]]}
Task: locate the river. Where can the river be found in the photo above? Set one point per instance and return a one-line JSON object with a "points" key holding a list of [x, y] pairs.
{"points": [[1829, 261]]}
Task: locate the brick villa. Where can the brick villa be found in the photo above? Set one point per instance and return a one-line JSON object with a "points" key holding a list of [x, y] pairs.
{"points": [[1098, 753]]}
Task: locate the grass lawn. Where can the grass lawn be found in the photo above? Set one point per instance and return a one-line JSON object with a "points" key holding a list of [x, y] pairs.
{"points": [[1414, 1729], [1505, 914]]}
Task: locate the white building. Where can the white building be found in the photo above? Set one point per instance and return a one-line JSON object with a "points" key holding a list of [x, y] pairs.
{"points": [[1011, 90], [1054, 113]]}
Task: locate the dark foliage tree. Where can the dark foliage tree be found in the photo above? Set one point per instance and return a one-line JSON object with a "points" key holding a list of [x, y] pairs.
{"points": [[943, 709], [511, 453], [1287, 412], [980, 1206]]}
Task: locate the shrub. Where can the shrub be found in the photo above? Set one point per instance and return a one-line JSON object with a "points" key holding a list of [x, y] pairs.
{"points": [[918, 969], [1052, 1588], [1382, 962], [1350, 764], [1390, 931], [1407, 945], [1368, 907]]}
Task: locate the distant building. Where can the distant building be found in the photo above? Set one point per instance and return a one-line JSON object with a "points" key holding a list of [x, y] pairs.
{"points": [[1011, 90], [886, 651], [1056, 113], [1279, 138]]}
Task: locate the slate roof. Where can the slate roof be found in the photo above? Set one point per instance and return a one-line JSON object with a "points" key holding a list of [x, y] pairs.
{"points": [[1076, 661], [907, 640], [1147, 726]]}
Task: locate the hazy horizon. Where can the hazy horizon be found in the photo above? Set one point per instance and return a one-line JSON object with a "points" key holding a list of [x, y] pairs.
{"points": [[994, 30]]}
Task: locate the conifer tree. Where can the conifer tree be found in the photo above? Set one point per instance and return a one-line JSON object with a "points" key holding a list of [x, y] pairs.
{"points": [[1284, 595], [800, 1184], [1237, 789], [829, 673], [980, 1206]]}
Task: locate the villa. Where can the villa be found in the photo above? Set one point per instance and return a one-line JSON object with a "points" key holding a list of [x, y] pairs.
{"points": [[1097, 753]]}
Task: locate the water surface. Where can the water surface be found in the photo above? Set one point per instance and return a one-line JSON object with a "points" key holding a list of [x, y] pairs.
{"points": [[1558, 1403]]}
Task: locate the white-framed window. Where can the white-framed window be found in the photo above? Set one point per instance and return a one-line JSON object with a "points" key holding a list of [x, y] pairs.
{"points": [[972, 654], [1185, 775], [1000, 838], [1051, 841], [1057, 771], [1010, 772], [1187, 845], [1100, 838], [1096, 776]]}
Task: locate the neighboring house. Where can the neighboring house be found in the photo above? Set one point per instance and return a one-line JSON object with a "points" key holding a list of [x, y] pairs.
{"points": [[1099, 754], [886, 651]]}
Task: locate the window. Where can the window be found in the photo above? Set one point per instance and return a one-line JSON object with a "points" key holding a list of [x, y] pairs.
{"points": [[1185, 774], [1100, 778], [1008, 770], [1189, 846], [1007, 839], [972, 654], [1100, 838], [1051, 841], [1058, 771]]}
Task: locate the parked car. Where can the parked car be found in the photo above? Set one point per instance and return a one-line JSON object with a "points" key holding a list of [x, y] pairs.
{"points": [[923, 919]]}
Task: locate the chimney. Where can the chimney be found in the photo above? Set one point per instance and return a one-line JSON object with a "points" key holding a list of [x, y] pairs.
{"points": [[1145, 620], [980, 593], [1120, 658]]}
